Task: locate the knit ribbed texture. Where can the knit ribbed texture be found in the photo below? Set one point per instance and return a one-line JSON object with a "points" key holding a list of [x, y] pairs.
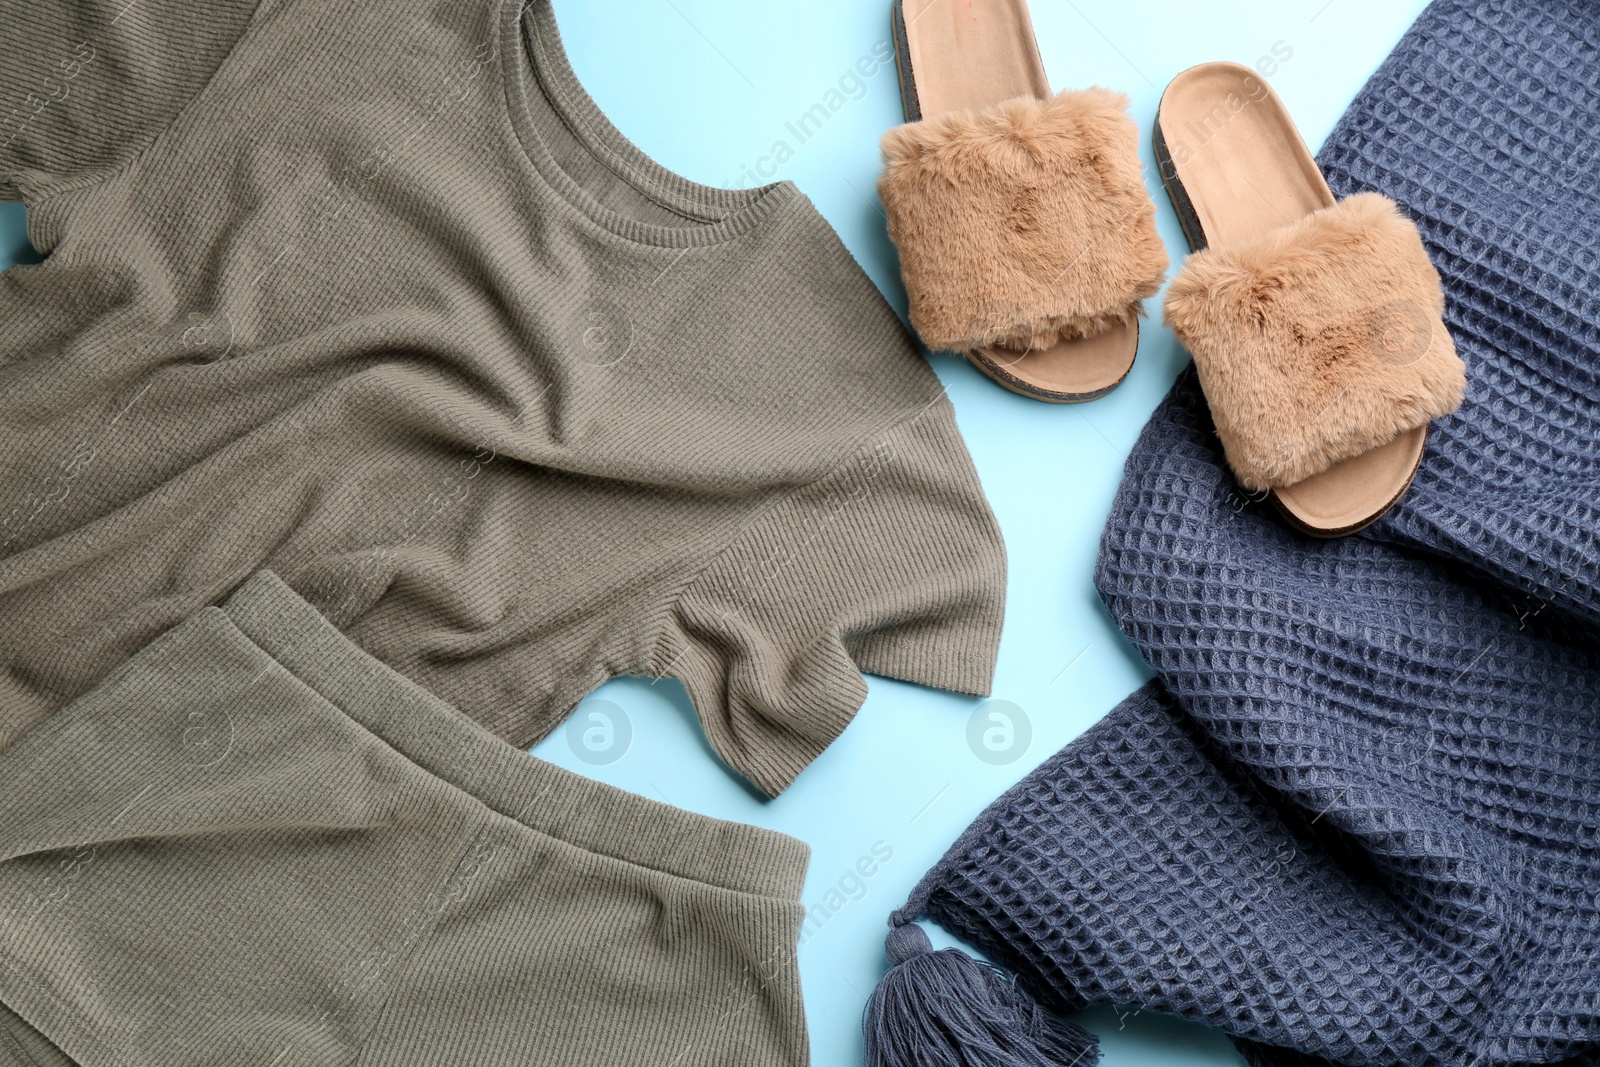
{"points": [[85, 85], [189, 857], [387, 307], [1356, 820], [782, 706], [23, 1046]]}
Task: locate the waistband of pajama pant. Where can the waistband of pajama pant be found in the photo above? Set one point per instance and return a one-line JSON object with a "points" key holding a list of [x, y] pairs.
{"points": [[536, 793]]}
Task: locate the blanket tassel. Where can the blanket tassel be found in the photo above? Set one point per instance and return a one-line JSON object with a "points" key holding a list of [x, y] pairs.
{"points": [[946, 1009]]}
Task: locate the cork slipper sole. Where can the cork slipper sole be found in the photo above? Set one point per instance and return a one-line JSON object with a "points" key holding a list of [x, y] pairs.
{"points": [[1236, 168], [953, 55]]}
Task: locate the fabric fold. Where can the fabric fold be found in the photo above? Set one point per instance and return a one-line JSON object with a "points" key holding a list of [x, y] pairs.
{"points": [[883, 566]]}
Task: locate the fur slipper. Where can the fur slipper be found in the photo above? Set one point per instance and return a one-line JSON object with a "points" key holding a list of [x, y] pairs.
{"points": [[1318, 342], [1027, 239], [1315, 324]]}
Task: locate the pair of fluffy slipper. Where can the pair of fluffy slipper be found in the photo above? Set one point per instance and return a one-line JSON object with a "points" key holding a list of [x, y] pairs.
{"points": [[1027, 241]]}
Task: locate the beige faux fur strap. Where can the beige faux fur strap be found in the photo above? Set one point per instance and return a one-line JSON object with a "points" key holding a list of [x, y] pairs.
{"points": [[1023, 224], [1318, 342]]}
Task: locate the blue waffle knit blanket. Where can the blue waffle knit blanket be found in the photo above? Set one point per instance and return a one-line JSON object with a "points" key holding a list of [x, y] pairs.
{"points": [[1356, 818]]}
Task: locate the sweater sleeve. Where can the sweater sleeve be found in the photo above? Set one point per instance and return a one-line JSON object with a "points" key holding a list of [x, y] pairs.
{"points": [[85, 84], [892, 564]]}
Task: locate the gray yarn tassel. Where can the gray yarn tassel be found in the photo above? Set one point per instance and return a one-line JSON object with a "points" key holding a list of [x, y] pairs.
{"points": [[946, 1009]]}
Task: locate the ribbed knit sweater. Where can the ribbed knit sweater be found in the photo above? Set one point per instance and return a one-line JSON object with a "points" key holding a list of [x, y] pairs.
{"points": [[379, 301], [1356, 821]]}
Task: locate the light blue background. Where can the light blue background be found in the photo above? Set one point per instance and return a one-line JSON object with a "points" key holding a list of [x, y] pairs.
{"points": [[707, 87]]}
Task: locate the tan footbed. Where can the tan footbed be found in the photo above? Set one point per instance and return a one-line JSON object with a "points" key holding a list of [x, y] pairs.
{"points": [[963, 56], [1238, 171], [969, 55], [1079, 369]]}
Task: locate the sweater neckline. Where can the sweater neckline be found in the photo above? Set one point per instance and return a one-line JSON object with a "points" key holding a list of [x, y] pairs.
{"points": [[528, 31]]}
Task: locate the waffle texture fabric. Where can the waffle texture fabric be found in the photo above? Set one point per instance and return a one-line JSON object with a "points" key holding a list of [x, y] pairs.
{"points": [[385, 305], [1356, 818], [190, 856]]}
